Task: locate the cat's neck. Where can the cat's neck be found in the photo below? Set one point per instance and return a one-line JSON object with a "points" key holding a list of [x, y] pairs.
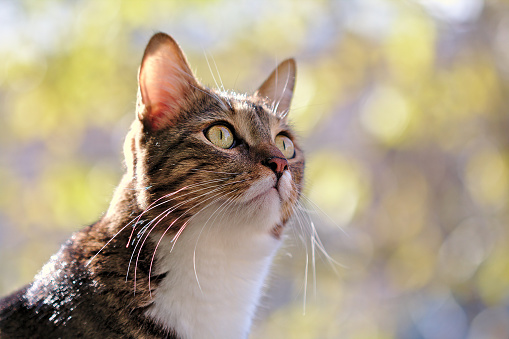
{"points": [[215, 278]]}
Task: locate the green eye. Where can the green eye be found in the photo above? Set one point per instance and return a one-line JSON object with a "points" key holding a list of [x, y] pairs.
{"points": [[285, 145], [220, 135]]}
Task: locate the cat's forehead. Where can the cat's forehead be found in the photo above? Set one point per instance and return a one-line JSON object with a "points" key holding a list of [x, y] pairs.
{"points": [[251, 117]]}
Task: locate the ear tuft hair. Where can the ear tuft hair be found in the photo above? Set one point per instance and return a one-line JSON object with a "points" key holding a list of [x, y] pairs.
{"points": [[278, 88]]}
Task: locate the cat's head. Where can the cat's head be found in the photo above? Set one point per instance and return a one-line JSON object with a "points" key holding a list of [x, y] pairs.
{"points": [[192, 150]]}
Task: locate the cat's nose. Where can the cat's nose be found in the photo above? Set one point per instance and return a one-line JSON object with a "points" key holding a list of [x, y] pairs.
{"points": [[277, 165]]}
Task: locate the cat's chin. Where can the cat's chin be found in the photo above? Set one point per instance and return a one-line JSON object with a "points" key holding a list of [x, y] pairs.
{"points": [[263, 203], [268, 202]]}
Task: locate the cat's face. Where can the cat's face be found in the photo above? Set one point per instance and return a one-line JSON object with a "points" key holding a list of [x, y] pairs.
{"points": [[193, 150]]}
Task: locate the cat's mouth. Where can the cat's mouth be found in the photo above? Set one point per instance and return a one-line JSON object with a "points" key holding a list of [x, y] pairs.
{"points": [[269, 186], [261, 189]]}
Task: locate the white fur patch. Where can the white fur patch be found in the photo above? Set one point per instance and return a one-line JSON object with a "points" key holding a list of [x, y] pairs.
{"points": [[217, 267]]}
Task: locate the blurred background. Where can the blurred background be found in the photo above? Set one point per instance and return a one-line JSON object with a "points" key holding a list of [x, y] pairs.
{"points": [[403, 111]]}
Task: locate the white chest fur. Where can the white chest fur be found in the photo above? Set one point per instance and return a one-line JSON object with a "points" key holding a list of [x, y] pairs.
{"points": [[216, 272]]}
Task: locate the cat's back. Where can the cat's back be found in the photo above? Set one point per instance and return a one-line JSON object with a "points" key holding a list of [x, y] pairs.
{"points": [[89, 319], [69, 300], [38, 311], [13, 315], [18, 319]]}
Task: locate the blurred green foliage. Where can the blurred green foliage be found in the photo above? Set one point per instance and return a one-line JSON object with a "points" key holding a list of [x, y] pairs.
{"points": [[402, 107]]}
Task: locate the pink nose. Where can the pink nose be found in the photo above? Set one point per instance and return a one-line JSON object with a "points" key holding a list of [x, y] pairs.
{"points": [[277, 165]]}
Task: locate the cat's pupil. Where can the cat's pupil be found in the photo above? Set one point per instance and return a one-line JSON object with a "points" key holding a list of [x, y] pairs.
{"points": [[285, 145], [220, 136]]}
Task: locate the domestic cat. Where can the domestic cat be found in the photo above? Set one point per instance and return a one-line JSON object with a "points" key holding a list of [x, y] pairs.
{"points": [[212, 179]]}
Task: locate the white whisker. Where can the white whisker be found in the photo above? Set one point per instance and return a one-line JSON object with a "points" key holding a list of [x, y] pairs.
{"points": [[213, 96], [210, 69], [316, 207], [199, 235], [174, 240], [218, 73], [162, 216], [305, 284]]}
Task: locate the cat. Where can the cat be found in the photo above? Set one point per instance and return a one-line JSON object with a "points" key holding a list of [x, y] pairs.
{"points": [[212, 179]]}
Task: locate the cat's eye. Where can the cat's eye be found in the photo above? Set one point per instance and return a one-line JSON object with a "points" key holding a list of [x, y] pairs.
{"points": [[221, 136], [285, 145]]}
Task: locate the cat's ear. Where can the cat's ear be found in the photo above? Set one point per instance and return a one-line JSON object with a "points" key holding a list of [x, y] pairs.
{"points": [[164, 80], [278, 88]]}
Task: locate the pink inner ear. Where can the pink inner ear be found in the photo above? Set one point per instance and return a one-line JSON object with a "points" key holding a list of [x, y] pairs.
{"points": [[161, 93], [165, 80]]}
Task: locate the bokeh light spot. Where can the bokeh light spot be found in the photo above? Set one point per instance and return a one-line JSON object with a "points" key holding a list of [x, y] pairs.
{"points": [[386, 115], [336, 184]]}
